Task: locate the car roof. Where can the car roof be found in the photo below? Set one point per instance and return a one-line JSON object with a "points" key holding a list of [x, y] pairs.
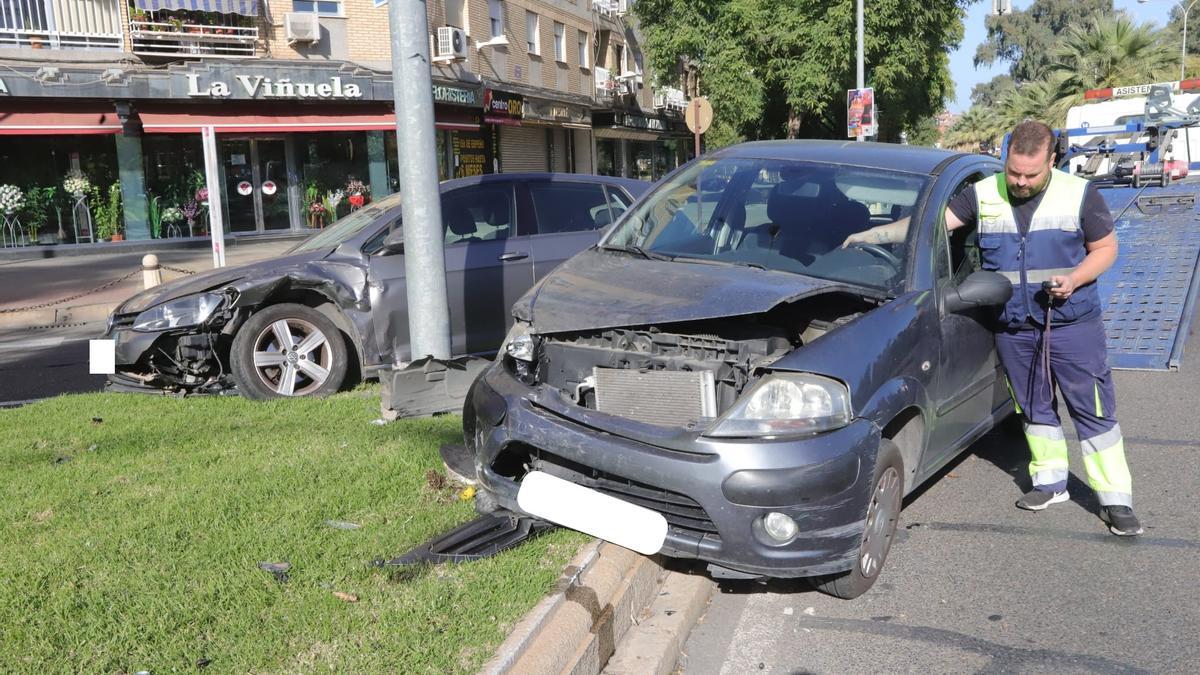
{"points": [[909, 158], [635, 187]]}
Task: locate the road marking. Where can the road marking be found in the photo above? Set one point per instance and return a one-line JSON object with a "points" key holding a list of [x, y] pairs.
{"points": [[39, 343]]}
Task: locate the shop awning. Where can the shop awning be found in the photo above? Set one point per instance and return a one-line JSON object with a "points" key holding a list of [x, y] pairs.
{"points": [[41, 119], [238, 121], [243, 7]]}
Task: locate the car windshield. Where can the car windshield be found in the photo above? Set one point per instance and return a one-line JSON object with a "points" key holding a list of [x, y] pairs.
{"points": [[776, 214], [347, 227]]}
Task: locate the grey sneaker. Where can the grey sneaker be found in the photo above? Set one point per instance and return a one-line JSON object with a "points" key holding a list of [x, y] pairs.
{"points": [[1121, 521], [1036, 500]]}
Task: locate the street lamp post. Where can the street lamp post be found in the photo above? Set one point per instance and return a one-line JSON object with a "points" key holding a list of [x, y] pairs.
{"points": [[861, 84], [1183, 47]]}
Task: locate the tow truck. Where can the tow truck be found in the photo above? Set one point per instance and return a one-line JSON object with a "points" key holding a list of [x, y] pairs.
{"points": [[1141, 163]]}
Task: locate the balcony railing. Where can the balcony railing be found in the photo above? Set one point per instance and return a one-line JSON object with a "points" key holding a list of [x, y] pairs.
{"points": [[606, 85], [670, 98], [164, 37], [61, 24]]}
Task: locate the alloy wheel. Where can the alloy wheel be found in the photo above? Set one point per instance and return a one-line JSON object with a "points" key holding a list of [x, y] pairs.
{"points": [[882, 514], [292, 357]]}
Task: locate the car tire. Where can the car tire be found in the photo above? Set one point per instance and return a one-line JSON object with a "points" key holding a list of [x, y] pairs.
{"points": [[313, 364], [883, 513]]}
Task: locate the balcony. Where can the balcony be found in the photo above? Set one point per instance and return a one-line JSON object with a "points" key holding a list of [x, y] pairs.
{"points": [[611, 8], [61, 24], [606, 84], [190, 33], [670, 99]]}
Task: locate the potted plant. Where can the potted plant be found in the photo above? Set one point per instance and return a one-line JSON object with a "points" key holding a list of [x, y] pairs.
{"points": [[333, 198], [76, 184], [316, 215], [138, 14], [108, 213], [38, 203], [170, 216], [357, 194], [189, 211]]}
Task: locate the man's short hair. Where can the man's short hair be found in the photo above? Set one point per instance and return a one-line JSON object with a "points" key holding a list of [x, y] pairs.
{"points": [[1030, 138]]}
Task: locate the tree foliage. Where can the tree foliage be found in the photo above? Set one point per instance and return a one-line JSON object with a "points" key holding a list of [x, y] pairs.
{"points": [[1025, 39], [773, 69]]}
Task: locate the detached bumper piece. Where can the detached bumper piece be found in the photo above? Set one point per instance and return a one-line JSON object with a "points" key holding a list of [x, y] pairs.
{"points": [[429, 386], [481, 538]]}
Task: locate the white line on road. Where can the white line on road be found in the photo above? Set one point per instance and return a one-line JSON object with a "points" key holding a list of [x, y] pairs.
{"points": [[40, 343]]}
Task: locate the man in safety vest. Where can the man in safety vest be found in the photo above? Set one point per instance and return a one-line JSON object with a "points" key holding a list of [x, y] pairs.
{"points": [[1051, 235]]}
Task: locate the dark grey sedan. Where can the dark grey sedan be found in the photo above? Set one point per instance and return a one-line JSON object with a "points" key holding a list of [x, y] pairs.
{"points": [[721, 378], [334, 306]]}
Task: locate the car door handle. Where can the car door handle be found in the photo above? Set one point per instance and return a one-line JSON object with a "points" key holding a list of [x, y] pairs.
{"points": [[515, 255]]}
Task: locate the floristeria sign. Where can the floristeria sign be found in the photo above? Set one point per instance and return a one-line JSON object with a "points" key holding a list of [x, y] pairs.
{"points": [[259, 87]]}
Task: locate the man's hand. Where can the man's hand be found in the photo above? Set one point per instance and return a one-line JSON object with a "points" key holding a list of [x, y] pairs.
{"points": [[864, 237], [1065, 286]]}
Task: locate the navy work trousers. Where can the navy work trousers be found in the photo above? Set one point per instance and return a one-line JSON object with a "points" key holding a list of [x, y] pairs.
{"points": [[1078, 369]]}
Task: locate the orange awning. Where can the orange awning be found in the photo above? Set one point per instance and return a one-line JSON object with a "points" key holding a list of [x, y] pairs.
{"points": [[46, 119]]}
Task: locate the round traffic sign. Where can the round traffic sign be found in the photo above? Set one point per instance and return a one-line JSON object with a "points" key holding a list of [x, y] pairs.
{"points": [[698, 115], [245, 188]]}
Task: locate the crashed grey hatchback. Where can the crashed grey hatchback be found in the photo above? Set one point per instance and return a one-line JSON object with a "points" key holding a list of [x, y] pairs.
{"points": [[719, 378]]}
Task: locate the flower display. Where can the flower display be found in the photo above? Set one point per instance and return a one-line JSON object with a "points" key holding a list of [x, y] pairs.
{"points": [[11, 199], [333, 198], [190, 210], [316, 208], [171, 214], [76, 183], [356, 187], [202, 195]]}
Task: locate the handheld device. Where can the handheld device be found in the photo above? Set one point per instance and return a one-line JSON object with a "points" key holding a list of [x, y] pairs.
{"points": [[1047, 285]]}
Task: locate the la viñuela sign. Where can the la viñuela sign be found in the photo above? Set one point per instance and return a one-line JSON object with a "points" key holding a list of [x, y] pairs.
{"points": [[258, 86]]}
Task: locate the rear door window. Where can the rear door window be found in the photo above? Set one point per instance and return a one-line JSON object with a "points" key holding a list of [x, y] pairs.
{"points": [[569, 207], [478, 213]]}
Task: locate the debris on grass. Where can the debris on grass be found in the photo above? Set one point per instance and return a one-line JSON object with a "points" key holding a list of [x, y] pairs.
{"points": [[346, 597], [435, 480], [203, 663], [279, 570], [43, 516], [467, 494], [97, 420], [342, 525], [62, 459]]}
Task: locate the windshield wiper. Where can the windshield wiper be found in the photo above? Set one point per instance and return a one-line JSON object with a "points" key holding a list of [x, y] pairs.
{"points": [[638, 250], [714, 261]]}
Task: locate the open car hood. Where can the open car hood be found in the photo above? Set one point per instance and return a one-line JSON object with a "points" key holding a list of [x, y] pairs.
{"points": [[598, 289]]}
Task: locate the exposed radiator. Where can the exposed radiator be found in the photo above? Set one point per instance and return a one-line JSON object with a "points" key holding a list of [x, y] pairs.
{"points": [[667, 398]]}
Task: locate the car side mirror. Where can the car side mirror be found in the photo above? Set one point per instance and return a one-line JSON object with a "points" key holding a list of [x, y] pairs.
{"points": [[980, 289], [394, 242]]}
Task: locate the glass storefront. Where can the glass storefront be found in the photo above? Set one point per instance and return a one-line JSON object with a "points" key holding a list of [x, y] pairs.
{"points": [[37, 165], [254, 183], [174, 172], [329, 163], [606, 157]]}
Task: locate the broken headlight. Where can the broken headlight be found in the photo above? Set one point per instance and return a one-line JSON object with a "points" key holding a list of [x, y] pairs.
{"points": [[784, 404], [182, 312], [520, 343]]}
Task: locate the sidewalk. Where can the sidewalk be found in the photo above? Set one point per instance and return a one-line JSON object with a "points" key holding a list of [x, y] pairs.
{"points": [[84, 288]]}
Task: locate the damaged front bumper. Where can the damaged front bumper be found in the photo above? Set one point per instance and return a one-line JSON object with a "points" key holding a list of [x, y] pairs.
{"points": [[713, 493], [179, 360]]}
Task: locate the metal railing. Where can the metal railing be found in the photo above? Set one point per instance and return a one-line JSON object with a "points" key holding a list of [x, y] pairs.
{"points": [[670, 98], [61, 24], [161, 36], [606, 85], [606, 7]]}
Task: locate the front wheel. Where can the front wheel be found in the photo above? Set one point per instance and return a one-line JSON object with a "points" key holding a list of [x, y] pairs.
{"points": [[288, 350], [883, 513]]}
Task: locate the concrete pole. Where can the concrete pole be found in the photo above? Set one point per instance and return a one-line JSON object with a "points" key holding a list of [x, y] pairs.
{"points": [[424, 258], [216, 214], [861, 77], [151, 274]]}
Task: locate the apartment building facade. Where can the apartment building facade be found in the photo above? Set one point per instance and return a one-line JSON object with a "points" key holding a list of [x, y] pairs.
{"points": [[299, 95]]}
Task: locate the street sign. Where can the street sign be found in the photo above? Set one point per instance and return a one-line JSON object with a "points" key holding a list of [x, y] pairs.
{"points": [[699, 115], [244, 188], [860, 112]]}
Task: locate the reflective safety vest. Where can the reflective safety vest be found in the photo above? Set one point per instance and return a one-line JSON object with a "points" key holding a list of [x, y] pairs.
{"points": [[1053, 246]]}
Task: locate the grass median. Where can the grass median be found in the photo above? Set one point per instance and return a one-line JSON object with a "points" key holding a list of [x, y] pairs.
{"points": [[133, 528]]}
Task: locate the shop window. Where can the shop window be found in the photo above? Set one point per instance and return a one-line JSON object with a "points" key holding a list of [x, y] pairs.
{"points": [[43, 162], [322, 7], [532, 40], [496, 17], [569, 207], [477, 213], [329, 162], [174, 171], [606, 158]]}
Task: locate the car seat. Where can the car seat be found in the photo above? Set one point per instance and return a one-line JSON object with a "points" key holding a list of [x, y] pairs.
{"points": [[459, 223]]}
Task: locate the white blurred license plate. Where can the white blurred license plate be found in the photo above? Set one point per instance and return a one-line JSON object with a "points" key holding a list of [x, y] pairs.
{"points": [[591, 512], [102, 357]]}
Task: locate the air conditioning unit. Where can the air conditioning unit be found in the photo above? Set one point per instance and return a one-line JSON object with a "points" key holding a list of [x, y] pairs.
{"points": [[451, 44], [302, 27]]}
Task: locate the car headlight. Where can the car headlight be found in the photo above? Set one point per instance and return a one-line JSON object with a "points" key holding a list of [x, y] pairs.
{"points": [[520, 343], [190, 310], [784, 404]]}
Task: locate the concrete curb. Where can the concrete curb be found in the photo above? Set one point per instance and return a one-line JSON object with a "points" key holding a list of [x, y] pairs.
{"points": [[49, 317], [598, 599], [653, 646]]}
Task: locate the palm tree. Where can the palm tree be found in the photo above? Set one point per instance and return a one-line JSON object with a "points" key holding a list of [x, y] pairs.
{"points": [[971, 132], [1112, 51], [1039, 100]]}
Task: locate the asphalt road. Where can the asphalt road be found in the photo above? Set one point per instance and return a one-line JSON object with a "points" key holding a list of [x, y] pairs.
{"points": [[38, 364], [974, 585]]}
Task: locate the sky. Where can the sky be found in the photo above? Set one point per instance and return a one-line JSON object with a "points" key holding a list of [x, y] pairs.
{"points": [[962, 66]]}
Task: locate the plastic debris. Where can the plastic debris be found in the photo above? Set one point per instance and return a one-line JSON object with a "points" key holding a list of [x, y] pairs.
{"points": [[347, 597], [279, 570], [467, 494], [342, 525], [810, 611], [788, 611]]}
